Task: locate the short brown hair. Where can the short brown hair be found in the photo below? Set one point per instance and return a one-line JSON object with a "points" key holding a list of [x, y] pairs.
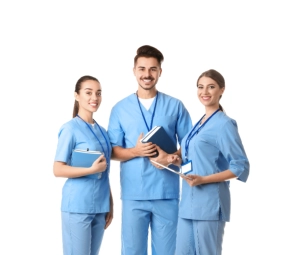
{"points": [[148, 51]]}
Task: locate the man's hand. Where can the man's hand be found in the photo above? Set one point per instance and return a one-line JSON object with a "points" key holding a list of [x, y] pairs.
{"points": [[144, 149], [162, 158]]}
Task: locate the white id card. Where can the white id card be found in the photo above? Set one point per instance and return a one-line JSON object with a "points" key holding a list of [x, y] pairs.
{"points": [[186, 167]]}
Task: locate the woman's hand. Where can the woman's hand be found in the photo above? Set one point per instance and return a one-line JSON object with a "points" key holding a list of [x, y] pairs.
{"points": [[99, 165], [193, 180], [109, 216]]}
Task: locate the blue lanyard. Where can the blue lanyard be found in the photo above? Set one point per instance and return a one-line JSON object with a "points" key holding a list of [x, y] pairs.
{"points": [[151, 125], [107, 154], [194, 132]]}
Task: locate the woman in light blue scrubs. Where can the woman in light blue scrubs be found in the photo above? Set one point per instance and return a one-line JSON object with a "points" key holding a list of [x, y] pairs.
{"points": [[212, 154], [87, 205]]}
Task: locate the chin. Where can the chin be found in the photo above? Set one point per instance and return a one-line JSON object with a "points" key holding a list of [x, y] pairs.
{"points": [[94, 110], [147, 87]]}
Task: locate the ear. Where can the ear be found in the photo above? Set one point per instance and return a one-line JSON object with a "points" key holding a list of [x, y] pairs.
{"points": [[222, 90], [160, 72], [76, 95], [134, 71]]}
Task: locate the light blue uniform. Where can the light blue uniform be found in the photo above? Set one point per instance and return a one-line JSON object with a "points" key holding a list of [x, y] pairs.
{"points": [[85, 200], [217, 147], [151, 190]]}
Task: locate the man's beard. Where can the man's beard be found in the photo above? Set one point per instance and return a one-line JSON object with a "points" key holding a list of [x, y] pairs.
{"points": [[149, 88]]}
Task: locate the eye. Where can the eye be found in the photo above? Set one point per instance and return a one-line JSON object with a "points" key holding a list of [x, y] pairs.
{"points": [[98, 93], [212, 87]]}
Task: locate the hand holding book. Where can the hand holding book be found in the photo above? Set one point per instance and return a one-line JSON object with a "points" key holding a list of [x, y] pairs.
{"points": [[100, 164], [160, 137], [144, 149], [95, 160]]}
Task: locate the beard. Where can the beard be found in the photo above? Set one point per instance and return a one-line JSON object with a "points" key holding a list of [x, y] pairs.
{"points": [[148, 86]]}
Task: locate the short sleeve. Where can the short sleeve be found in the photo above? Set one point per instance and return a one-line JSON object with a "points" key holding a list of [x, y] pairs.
{"points": [[231, 147], [184, 122], [115, 132], [65, 145]]}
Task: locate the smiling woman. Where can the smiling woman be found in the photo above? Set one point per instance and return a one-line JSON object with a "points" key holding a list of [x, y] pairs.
{"points": [[87, 98], [215, 154], [87, 204]]}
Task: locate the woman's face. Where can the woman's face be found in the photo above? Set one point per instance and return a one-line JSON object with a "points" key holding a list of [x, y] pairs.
{"points": [[209, 92], [89, 96]]}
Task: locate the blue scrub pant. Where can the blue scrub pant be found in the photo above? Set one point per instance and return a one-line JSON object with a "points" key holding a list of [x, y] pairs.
{"points": [[161, 215], [199, 237], [82, 233]]}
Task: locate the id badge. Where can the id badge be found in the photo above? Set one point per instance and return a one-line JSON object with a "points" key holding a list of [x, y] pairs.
{"points": [[186, 167]]}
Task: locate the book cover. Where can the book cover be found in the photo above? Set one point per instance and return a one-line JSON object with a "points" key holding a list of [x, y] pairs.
{"points": [[159, 136], [84, 158]]}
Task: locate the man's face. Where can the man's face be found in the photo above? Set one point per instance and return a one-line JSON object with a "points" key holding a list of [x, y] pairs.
{"points": [[147, 72]]}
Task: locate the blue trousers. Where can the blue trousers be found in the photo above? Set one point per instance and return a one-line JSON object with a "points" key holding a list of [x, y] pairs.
{"points": [[199, 237], [137, 216], [82, 233]]}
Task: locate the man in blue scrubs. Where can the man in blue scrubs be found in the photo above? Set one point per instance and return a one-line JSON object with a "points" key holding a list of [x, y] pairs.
{"points": [[149, 195]]}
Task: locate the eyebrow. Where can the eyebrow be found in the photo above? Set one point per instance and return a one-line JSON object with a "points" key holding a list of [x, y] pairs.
{"points": [[207, 85], [145, 67], [91, 89]]}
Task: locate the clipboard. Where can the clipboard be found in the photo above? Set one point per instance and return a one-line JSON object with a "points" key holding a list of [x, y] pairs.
{"points": [[171, 170]]}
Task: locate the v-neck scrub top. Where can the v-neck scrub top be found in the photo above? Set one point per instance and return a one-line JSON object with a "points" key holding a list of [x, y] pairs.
{"points": [[217, 147], [140, 180], [83, 194]]}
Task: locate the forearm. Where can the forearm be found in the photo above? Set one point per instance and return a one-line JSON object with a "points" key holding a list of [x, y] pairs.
{"points": [[61, 169], [218, 177], [123, 154], [111, 199]]}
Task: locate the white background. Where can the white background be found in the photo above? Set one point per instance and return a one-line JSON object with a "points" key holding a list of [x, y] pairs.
{"points": [[46, 46]]}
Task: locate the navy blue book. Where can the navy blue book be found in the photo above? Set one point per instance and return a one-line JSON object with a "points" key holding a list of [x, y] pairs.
{"points": [[159, 136], [85, 158]]}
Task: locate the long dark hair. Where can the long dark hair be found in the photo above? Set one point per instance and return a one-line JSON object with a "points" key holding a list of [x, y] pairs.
{"points": [[217, 77], [77, 90]]}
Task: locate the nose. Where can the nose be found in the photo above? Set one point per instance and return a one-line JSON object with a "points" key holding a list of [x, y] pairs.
{"points": [[205, 90], [147, 72], [94, 97]]}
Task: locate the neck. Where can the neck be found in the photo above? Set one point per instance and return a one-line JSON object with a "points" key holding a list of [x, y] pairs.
{"points": [[209, 112], [86, 116], [145, 94]]}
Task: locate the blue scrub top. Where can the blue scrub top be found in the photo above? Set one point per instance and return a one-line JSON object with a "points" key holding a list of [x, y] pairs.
{"points": [[83, 194], [217, 147], [140, 180]]}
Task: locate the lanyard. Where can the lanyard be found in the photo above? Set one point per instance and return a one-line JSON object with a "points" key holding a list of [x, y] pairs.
{"points": [[97, 137], [151, 125], [194, 132]]}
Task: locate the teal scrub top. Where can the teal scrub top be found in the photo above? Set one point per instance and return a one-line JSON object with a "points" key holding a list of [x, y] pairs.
{"points": [[217, 147], [140, 180], [83, 194]]}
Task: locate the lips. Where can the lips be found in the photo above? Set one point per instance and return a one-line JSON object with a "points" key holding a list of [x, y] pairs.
{"points": [[147, 79], [205, 98]]}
